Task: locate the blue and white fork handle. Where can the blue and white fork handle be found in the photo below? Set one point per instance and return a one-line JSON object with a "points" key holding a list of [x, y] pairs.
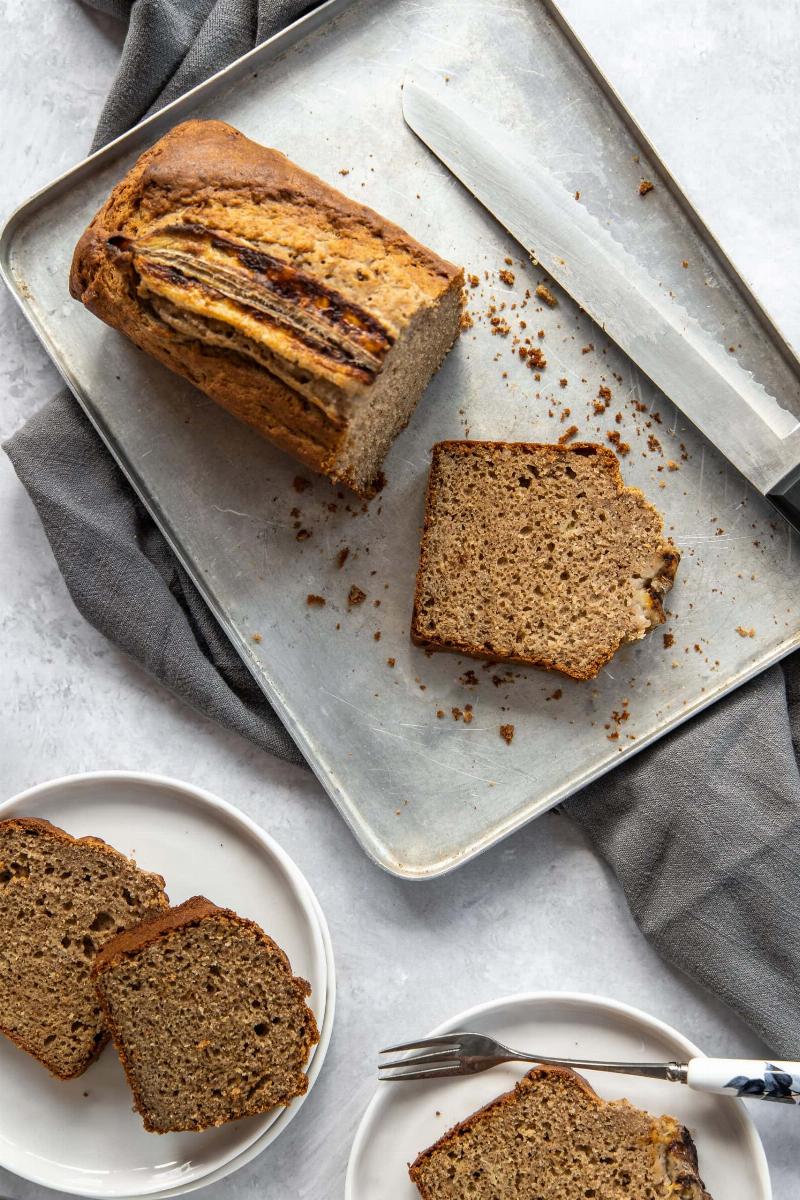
{"points": [[750, 1078]]}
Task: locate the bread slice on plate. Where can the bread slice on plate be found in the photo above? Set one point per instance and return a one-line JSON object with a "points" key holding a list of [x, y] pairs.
{"points": [[553, 1138], [538, 554], [208, 1019], [300, 311], [61, 899]]}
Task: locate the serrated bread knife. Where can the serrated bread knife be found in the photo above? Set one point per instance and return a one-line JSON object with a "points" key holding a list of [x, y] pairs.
{"points": [[759, 436]]}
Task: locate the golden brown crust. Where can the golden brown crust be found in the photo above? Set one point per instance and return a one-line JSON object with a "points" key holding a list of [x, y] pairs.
{"points": [[126, 945], [28, 823], [681, 1155], [610, 462], [207, 171]]}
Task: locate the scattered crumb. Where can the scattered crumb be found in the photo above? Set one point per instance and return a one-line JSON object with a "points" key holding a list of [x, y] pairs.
{"points": [[508, 261], [344, 170], [645, 186], [685, 263], [742, 632], [567, 435], [556, 695], [257, 638], [440, 713], [390, 662], [377, 635], [303, 535], [669, 640], [506, 277], [466, 320], [469, 679], [457, 713], [672, 466], [507, 734], [300, 484], [604, 393], [473, 281], [577, 195], [622, 448], [315, 601], [355, 596], [544, 293], [563, 383], [587, 349], [341, 557]]}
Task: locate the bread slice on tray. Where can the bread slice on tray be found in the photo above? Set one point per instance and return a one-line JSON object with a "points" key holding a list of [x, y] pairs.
{"points": [[553, 1138], [208, 1019], [303, 313], [61, 899], [538, 554]]}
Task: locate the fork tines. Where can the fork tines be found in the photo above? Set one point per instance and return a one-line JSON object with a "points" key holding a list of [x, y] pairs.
{"points": [[443, 1059]]}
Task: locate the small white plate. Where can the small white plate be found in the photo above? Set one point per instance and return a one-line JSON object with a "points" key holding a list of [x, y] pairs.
{"points": [[401, 1119], [82, 1136]]}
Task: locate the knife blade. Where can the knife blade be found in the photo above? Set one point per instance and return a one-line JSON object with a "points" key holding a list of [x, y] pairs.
{"points": [[759, 436]]}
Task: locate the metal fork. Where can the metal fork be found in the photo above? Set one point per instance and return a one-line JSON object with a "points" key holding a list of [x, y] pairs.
{"points": [[468, 1053]]}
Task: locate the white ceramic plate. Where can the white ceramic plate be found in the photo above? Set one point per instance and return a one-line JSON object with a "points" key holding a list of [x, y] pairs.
{"points": [[81, 1136], [401, 1119]]}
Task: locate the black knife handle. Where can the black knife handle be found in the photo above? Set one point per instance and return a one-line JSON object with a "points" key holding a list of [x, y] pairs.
{"points": [[786, 497]]}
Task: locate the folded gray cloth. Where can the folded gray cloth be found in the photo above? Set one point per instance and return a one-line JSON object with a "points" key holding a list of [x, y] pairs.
{"points": [[703, 830]]}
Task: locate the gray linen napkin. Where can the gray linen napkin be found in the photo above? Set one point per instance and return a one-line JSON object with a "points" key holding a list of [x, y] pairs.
{"points": [[703, 830]]}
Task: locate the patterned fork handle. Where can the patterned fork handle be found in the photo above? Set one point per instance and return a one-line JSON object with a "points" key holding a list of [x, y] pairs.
{"points": [[752, 1079]]}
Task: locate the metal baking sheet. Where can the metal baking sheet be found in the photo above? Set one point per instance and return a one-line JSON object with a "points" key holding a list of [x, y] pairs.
{"points": [[423, 789]]}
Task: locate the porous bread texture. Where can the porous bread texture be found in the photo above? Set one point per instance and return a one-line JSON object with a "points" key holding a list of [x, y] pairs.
{"points": [[538, 554], [208, 1019], [553, 1138], [61, 899], [303, 313]]}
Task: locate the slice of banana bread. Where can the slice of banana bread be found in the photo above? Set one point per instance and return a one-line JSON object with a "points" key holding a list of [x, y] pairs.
{"points": [[208, 1019], [538, 554], [553, 1138], [61, 899]]}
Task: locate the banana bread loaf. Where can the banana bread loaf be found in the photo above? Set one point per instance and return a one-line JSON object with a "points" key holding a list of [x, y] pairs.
{"points": [[300, 311]]}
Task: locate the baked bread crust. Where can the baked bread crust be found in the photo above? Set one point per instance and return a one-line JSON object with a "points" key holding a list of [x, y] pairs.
{"points": [[153, 929], [28, 823], [680, 1152], [657, 586], [205, 194]]}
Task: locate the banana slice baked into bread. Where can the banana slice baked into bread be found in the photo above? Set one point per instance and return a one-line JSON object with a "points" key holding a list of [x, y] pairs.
{"points": [[61, 899], [304, 314], [553, 1138], [207, 1017], [538, 554]]}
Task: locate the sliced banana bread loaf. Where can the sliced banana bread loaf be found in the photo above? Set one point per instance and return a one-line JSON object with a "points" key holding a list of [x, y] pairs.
{"points": [[208, 1019], [61, 899], [302, 312], [553, 1138], [538, 554]]}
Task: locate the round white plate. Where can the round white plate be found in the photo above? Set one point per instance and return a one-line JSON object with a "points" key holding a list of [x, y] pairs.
{"points": [[401, 1119], [82, 1136]]}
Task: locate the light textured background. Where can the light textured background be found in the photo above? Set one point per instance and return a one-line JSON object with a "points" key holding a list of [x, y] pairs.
{"points": [[715, 85]]}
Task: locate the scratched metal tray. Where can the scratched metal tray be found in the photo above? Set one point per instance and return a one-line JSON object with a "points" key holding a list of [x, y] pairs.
{"points": [[422, 790]]}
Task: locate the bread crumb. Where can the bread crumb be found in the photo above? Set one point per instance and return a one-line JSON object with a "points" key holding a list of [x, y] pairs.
{"points": [[355, 596], [390, 662], [303, 535], [473, 281], [685, 263], [257, 638], [742, 632], [577, 195], [604, 393], [506, 276], [587, 349], [563, 383], [469, 679], [300, 484], [315, 601], [440, 713], [567, 435], [645, 186], [507, 734], [556, 695], [341, 557], [544, 293], [376, 635], [622, 448], [466, 320], [344, 170], [669, 640], [672, 466]]}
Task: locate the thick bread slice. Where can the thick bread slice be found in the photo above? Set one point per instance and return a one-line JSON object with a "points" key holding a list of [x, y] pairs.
{"points": [[303, 313], [538, 554], [209, 1021], [61, 899], [553, 1138]]}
